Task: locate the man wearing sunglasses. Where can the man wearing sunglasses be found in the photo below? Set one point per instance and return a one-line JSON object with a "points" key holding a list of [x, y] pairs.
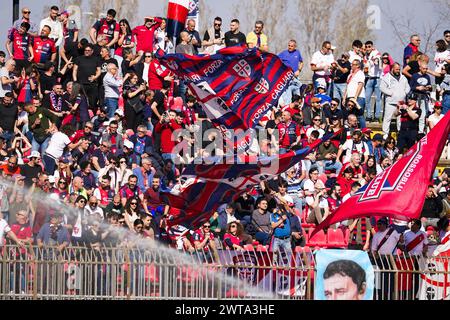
{"points": [[214, 38], [204, 241], [26, 14]]}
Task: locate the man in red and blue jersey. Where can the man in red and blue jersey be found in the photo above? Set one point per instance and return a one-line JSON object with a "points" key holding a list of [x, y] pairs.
{"points": [[289, 132], [19, 45], [107, 27], [44, 49]]}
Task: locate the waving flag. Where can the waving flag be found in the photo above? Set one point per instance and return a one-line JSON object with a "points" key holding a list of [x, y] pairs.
{"points": [[243, 173], [248, 81], [399, 191], [208, 186], [194, 12], [177, 13]]}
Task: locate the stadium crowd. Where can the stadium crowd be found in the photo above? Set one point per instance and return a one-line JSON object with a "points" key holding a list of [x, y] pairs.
{"points": [[88, 122]]}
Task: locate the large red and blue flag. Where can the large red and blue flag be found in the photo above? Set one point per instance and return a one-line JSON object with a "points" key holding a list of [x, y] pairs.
{"points": [[177, 13], [399, 191], [248, 81], [208, 186]]}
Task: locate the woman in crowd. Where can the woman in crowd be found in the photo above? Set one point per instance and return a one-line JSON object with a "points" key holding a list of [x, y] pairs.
{"points": [[134, 99], [235, 238], [132, 212], [436, 116], [390, 148], [78, 104], [126, 41]]}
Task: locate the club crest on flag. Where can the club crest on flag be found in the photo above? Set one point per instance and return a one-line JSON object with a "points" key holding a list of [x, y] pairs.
{"points": [[243, 69], [262, 86]]}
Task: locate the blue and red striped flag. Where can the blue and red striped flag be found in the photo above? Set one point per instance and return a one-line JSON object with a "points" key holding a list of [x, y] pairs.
{"points": [[208, 186], [177, 13], [249, 82]]}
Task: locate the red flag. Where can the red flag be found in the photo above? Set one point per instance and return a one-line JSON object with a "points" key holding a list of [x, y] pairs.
{"points": [[177, 13], [399, 191]]}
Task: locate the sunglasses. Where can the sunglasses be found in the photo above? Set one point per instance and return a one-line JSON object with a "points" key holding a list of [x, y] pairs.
{"points": [[148, 56], [317, 120], [82, 201], [90, 128], [26, 12], [206, 227], [123, 162], [233, 226], [133, 203], [103, 145], [93, 203], [217, 24]]}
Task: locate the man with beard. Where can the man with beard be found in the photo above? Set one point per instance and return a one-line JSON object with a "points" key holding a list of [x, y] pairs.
{"points": [[153, 202], [43, 48], [334, 200], [53, 101], [86, 70], [104, 193], [107, 27], [395, 87], [131, 190]]}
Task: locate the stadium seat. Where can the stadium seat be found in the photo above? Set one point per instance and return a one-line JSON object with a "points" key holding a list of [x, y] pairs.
{"points": [[304, 223], [318, 240], [262, 248], [249, 247], [336, 238]]}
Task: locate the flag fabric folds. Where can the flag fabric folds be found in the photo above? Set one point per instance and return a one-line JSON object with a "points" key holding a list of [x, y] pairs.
{"points": [[207, 186], [399, 191], [247, 81], [177, 13]]}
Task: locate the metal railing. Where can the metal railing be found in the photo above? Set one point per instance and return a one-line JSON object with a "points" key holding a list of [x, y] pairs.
{"points": [[133, 273]]}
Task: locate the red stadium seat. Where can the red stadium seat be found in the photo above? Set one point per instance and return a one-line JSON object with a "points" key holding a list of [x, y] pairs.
{"points": [[304, 223], [262, 248], [249, 247], [318, 240], [336, 238]]}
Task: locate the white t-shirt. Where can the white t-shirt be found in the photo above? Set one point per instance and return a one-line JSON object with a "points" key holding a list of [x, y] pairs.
{"points": [[435, 119], [309, 185], [440, 60], [389, 245], [7, 87], [410, 236], [349, 146], [352, 84], [375, 65], [4, 228], [57, 143], [322, 60], [310, 130], [354, 56]]}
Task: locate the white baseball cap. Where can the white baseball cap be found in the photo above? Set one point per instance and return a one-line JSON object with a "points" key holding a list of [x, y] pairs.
{"points": [[34, 154], [128, 144], [119, 112]]}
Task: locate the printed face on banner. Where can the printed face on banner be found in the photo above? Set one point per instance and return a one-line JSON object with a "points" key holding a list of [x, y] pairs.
{"points": [[344, 275]]}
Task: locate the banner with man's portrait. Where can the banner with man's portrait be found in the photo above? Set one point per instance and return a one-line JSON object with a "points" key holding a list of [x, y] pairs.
{"points": [[343, 275]]}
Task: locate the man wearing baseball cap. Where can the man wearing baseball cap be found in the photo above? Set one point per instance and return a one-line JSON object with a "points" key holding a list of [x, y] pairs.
{"points": [[31, 169], [375, 147], [315, 110]]}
